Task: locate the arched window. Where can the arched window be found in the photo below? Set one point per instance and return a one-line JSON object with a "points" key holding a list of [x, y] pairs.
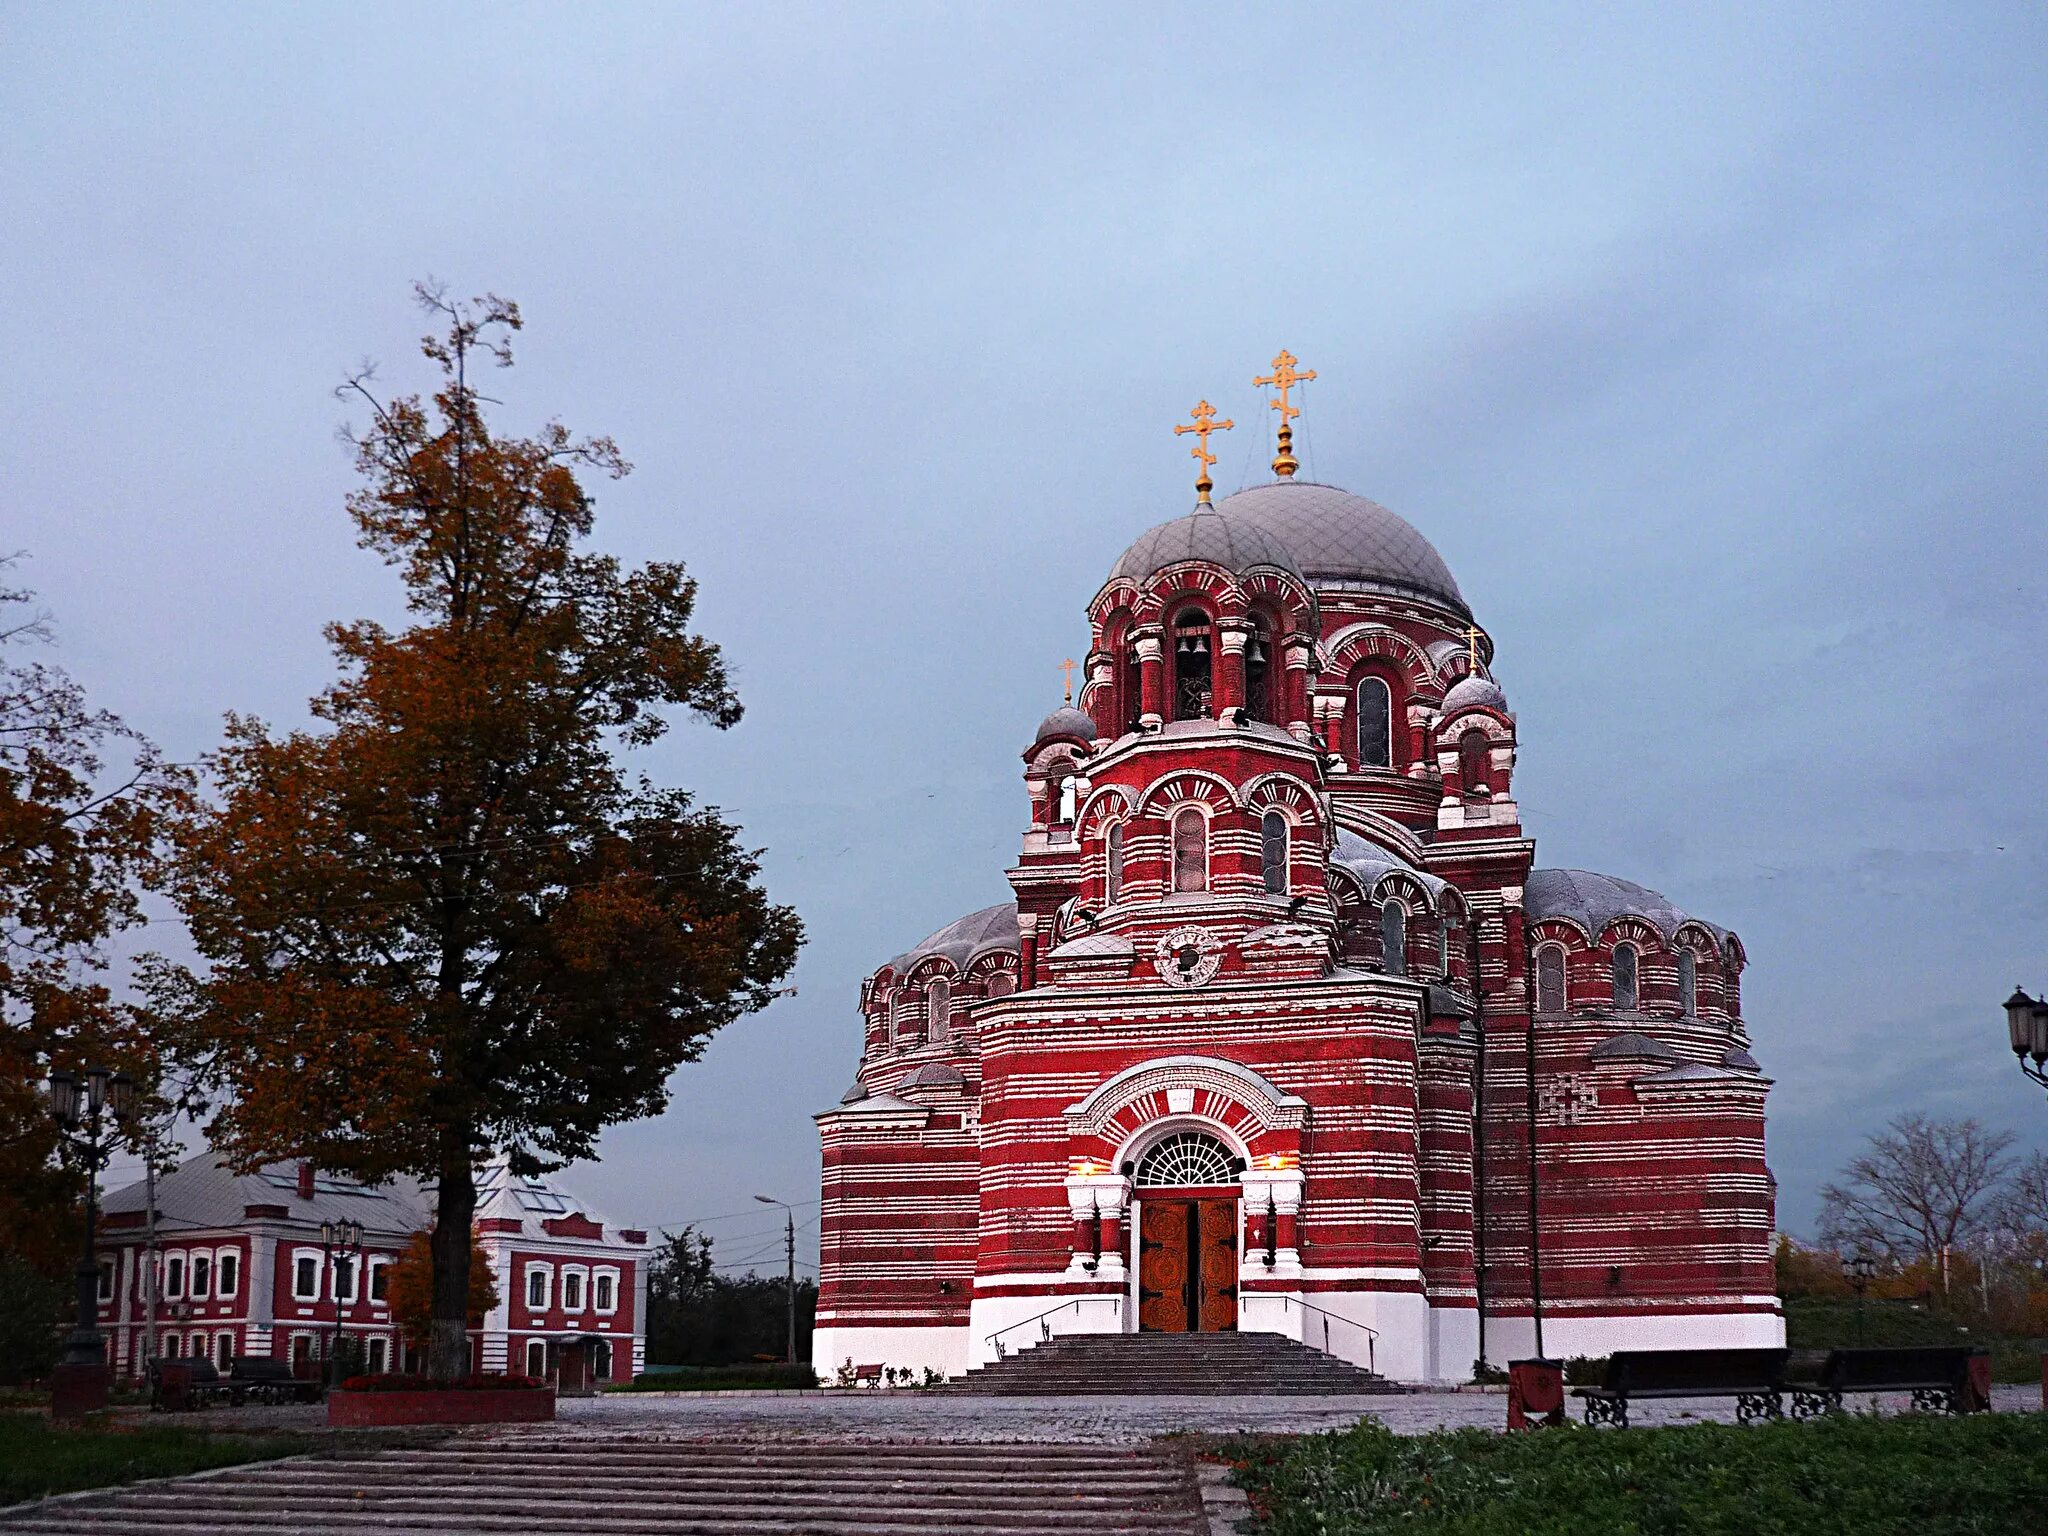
{"points": [[1393, 938], [1688, 984], [1191, 665], [1001, 984], [1258, 672], [1182, 1159], [1190, 851], [1068, 800], [1550, 992], [1625, 977], [1443, 948], [1273, 852], [1375, 724], [1113, 854], [1475, 762], [938, 1008]]}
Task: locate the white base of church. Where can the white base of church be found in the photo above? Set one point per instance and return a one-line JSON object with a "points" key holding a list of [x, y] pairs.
{"points": [[1567, 1334], [918, 1349]]}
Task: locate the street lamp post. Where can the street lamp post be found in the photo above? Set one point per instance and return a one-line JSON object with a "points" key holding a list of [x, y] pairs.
{"points": [[789, 1265], [336, 1239], [82, 1105], [1858, 1268], [2026, 1023]]}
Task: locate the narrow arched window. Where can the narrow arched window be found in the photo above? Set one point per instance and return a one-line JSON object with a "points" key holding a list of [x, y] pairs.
{"points": [[1113, 855], [1190, 851], [1069, 800], [1443, 948], [1375, 724], [1001, 984], [1273, 852], [1475, 762], [1192, 664], [1688, 984], [1550, 993], [1258, 672], [938, 1008], [1625, 977], [1394, 938]]}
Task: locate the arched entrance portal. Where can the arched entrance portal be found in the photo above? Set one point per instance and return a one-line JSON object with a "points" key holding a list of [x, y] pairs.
{"points": [[1186, 1191]]}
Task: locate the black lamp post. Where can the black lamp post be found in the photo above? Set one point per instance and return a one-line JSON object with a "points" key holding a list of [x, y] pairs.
{"points": [[336, 1239], [2026, 1023], [1858, 1268], [82, 1105]]}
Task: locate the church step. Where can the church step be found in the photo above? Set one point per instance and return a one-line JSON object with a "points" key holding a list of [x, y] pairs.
{"points": [[659, 1488]]}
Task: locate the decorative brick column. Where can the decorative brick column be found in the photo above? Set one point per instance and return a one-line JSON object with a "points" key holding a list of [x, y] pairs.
{"points": [[1231, 637], [1150, 643], [1097, 1198]]}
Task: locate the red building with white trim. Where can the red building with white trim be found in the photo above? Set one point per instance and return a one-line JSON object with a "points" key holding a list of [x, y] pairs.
{"points": [[240, 1270], [1216, 1066]]}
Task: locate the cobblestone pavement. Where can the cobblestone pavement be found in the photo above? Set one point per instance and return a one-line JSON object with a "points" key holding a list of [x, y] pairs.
{"points": [[1103, 1420]]}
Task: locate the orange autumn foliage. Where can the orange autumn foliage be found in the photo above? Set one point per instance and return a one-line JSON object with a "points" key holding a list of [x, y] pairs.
{"points": [[411, 1287]]}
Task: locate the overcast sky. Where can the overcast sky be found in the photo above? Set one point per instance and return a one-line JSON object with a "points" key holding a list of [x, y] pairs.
{"points": [[1706, 343]]}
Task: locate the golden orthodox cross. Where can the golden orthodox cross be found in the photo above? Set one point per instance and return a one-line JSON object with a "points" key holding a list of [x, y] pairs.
{"points": [[1472, 650], [1067, 667], [1205, 423], [1283, 378]]}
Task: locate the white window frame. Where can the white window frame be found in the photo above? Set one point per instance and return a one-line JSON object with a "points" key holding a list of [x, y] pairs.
{"points": [[376, 1354], [378, 1267], [174, 1276], [527, 1362], [227, 1273], [108, 1279], [350, 1264], [195, 1291], [1286, 854], [605, 1272], [303, 1256], [545, 1273], [224, 1350], [581, 1274]]}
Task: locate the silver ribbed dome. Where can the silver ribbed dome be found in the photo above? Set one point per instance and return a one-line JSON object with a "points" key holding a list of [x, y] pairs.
{"points": [[1204, 534], [1475, 691], [1338, 538], [1065, 721]]}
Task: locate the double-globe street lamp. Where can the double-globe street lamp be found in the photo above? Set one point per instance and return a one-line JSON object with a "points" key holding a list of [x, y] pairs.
{"points": [[2026, 1022], [82, 1104], [337, 1238], [1859, 1269]]}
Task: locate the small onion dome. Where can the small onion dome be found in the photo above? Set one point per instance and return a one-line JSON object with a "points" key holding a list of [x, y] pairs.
{"points": [[1208, 536], [1065, 721], [1474, 692]]}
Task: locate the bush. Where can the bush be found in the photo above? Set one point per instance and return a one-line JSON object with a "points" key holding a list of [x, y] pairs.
{"points": [[1845, 1475], [480, 1381], [721, 1378]]}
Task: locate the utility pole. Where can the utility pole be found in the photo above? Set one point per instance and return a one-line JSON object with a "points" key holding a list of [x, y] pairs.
{"points": [[789, 1265], [149, 1259]]}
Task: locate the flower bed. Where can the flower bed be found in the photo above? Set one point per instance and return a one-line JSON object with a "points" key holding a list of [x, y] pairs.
{"points": [[490, 1397]]}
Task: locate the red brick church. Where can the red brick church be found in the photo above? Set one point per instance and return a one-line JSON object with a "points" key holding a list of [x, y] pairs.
{"points": [[1279, 947]]}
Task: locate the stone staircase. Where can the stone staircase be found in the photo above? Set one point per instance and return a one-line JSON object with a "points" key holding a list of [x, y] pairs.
{"points": [[1169, 1365], [538, 1485]]}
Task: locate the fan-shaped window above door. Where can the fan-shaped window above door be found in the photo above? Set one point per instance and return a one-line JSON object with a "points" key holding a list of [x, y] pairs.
{"points": [[1182, 1159]]}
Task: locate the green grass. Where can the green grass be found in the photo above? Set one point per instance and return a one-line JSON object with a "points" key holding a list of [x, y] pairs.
{"points": [[38, 1458], [1813, 1322], [1846, 1475]]}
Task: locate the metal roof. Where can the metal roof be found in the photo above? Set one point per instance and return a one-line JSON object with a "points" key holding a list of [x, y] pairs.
{"points": [[1204, 534], [1066, 721], [1339, 538], [963, 938], [1593, 901]]}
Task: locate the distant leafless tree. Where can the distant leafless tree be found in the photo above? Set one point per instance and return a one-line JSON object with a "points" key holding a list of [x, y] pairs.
{"points": [[1919, 1189], [2019, 1214]]}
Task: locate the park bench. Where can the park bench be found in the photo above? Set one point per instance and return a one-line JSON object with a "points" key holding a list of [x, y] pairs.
{"points": [[180, 1382], [265, 1380], [1755, 1378], [867, 1375], [1951, 1378]]}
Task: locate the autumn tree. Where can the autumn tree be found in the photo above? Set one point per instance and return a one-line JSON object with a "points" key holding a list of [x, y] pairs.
{"points": [[84, 804], [410, 1287], [444, 921], [1919, 1188]]}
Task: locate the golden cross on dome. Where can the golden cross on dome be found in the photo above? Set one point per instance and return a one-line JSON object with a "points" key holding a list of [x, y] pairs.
{"points": [[1205, 423], [1471, 650], [1283, 378], [1067, 667]]}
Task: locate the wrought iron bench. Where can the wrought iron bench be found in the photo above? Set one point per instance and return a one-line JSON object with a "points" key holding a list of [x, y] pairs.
{"points": [[269, 1381], [178, 1382], [1941, 1377], [1755, 1378]]}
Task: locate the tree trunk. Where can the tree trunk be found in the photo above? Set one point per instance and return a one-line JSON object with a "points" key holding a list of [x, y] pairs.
{"points": [[454, 1214]]}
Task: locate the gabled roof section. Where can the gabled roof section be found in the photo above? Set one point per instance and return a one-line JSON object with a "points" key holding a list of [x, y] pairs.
{"points": [[203, 1192]]}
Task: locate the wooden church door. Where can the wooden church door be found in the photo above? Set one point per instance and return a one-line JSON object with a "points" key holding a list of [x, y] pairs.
{"points": [[1187, 1266]]}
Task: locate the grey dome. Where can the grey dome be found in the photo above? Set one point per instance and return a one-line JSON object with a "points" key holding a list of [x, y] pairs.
{"points": [[963, 938], [1204, 534], [1065, 721], [1633, 1045], [1593, 901], [934, 1074], [1474, 692], [1340, 539]]}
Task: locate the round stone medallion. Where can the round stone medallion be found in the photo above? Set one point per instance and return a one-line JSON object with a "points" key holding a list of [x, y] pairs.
{"points": [[1188, 957]]}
